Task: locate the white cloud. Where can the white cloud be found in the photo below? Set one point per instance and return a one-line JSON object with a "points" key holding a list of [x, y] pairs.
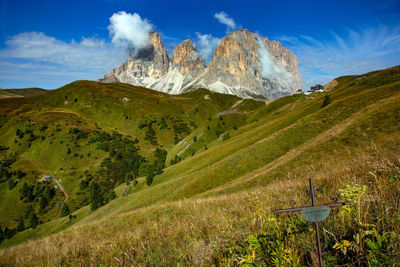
{"points": [[129, 29], [42, 48], [225, 19], [34, 56], [206, 45], [273, 70], [356, 52], [35, 59]]}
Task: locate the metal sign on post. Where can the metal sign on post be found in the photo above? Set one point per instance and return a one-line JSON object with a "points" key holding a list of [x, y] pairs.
{"points": [[314, 213]]}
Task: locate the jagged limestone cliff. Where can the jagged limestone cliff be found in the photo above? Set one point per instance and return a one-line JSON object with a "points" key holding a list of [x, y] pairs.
{"points": [[244, 64]]}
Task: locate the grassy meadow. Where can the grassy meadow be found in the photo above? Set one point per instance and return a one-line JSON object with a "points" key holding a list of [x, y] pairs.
{"points": [[214, 206]]}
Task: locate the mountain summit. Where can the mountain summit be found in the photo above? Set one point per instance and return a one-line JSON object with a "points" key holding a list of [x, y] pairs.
{"points": [[244, 64]]}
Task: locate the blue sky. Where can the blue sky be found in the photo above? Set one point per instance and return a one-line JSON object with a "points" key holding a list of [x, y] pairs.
{"points": [[50, 43]]}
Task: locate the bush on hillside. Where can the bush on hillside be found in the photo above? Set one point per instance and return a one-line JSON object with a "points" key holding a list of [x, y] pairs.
{"points": [[327, 101], [64, 210], [149, 175], [111, 195], [33, 220], [175, 160], [21, 225], [95, 196]]}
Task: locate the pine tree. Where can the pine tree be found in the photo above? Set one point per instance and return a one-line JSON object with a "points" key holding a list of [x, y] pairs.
{"points": [[11, 184], [96, 198], [158, 166], [21, 225], [28, 212], [43, 203], [25, 190], [30, 196], [111, 195], [7, 233], [64, 210], [327, 101], [47, 193], [128, 178], [149, 175], [33, 220]]}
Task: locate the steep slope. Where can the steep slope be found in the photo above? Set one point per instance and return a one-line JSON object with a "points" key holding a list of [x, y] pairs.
{"points": [[244, 64], [214, 207], [59, 133]]}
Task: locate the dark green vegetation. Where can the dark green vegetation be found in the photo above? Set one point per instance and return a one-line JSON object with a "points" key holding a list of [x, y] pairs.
{"points": [[175, 180]]}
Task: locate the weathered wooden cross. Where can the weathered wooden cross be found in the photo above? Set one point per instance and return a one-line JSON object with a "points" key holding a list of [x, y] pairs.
{"points": [[314, 213]]}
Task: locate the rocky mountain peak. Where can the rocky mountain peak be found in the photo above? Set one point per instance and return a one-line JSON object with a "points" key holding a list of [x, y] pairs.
{"points": [[154, 51], [243, 33], [186, 58], [244, 64], [183, 51], [155, 40], [233, 42], [248, 65]]}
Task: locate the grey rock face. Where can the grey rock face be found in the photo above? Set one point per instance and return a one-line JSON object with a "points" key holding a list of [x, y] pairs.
{"points": [[244, 64], [152, 62]]}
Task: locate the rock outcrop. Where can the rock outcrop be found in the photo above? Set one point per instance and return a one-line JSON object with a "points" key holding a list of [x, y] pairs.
{"points": [[185, 65], [244, 64], [186, 59], [329, 86], [144, 66]]}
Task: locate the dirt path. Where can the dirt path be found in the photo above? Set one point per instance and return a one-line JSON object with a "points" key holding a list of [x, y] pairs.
{"points": [[10, 95], [63, 191], [188, 145], [232, 110], [237, 104], [226, 112], [321, 138], [64, 111], [184, 149]]}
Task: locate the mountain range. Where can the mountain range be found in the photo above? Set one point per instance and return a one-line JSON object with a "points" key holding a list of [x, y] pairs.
{"points": [[244, 64]]}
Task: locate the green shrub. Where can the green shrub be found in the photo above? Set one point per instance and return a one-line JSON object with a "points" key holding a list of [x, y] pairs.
{"points": [[33, 220], [327, 101], [64, 210]]}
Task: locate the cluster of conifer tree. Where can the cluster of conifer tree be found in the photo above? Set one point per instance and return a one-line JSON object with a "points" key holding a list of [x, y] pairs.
{"points": [[123, 164], [41, 192]]}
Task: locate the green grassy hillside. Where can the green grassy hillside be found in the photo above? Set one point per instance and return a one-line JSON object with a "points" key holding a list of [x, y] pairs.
{"points": [[25, 92], [229, 163], [70, 133]]}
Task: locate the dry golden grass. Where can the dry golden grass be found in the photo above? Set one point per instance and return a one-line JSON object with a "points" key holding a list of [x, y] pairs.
{"points": [[194, 231]]}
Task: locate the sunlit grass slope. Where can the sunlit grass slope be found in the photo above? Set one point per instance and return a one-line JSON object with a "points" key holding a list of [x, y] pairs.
{"points": [[214, 206], [39, 131]]}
